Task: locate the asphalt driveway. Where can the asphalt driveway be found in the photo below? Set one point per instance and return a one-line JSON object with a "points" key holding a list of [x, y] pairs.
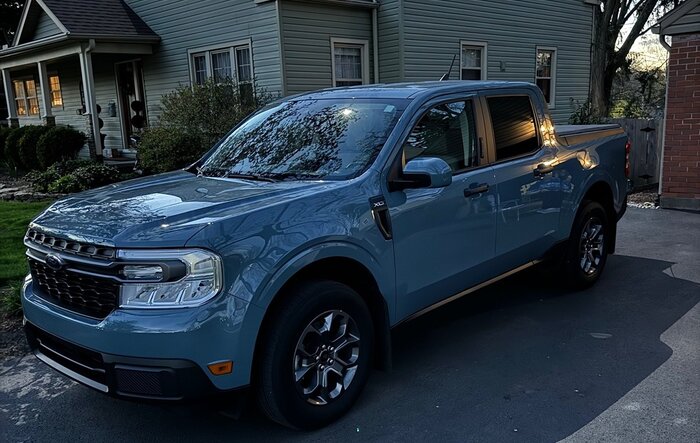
{"points": [[519, 361]]}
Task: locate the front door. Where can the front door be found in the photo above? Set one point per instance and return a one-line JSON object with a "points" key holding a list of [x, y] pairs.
{"points": [[529, 192], [132, 106], [443, 236]]}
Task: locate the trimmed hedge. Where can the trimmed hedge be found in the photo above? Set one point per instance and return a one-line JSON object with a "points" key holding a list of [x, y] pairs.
{"points": [[73, 176], [27, 147], [58, 143], [12, 146]]}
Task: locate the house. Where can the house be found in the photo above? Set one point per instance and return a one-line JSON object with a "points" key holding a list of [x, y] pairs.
{"points": [[680, 173], [103, 65]]}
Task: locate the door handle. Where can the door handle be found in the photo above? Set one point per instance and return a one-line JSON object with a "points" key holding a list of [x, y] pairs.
{"points": [[543, 169], [475, 189]]}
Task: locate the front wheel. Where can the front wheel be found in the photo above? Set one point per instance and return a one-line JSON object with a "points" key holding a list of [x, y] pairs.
{"points": [[587, 250], [316, 359]]}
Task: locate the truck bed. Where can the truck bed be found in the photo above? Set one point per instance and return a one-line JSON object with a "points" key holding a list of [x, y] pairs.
{"points": [[573, 134]]}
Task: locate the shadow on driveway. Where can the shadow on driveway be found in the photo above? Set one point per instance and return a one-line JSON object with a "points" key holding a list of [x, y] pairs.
{"points": [[520, 361]]}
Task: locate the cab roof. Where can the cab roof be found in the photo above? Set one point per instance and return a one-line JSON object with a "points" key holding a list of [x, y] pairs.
{"points": [[408, 90]]}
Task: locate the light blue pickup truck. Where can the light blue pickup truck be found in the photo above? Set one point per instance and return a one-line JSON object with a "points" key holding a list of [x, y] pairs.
{"points": [[282, 259]]}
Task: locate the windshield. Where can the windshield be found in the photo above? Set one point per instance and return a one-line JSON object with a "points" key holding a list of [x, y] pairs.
{"points": [[306, 139]]}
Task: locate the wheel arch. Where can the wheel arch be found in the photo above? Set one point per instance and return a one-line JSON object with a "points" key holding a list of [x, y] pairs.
{"points": [[601, 192], [350, 272]]}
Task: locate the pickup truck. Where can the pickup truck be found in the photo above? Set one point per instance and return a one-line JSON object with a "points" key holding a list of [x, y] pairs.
{"points": [[281, 260]]}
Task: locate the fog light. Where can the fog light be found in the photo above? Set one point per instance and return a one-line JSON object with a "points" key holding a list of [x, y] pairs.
{"points": [[221, 367]]}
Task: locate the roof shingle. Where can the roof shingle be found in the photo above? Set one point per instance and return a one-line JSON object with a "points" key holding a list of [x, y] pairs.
{"points": [[100, 18]]}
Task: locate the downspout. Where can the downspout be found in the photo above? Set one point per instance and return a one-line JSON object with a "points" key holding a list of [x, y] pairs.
{"points": [[375, 43], [666, 46]]}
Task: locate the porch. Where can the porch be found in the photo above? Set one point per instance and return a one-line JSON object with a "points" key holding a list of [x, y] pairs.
{"points": [[86, 74]]}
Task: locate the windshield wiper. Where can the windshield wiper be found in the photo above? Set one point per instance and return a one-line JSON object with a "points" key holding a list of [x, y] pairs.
{"points": [[257, 177], [294, 176]]}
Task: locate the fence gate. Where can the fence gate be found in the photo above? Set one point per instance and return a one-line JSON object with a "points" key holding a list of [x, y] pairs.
{"points": [[645, 158]]}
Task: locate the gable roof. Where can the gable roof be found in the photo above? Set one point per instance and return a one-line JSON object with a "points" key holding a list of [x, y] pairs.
{"points": [[99, 19], [685, 19]]}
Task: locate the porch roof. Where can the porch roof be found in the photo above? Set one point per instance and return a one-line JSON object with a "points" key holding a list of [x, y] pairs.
{"points": [[75, 21]]}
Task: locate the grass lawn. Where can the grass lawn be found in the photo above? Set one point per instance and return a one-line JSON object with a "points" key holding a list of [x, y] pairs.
{"points": [[14, 218]]}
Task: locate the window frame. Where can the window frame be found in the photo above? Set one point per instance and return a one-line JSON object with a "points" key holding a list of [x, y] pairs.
{"points": [[26, 97], [553, 74], [207, 52], [364, 57], [59, 90], [486, 111], [483, 46], [478, 129]]}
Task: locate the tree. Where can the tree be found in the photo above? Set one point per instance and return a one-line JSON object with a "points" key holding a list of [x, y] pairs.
{"points": [[10, 13], [612, 45]]}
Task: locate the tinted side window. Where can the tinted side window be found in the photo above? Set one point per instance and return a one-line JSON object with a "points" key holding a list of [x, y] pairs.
{"points": [[446, 131], [514, 126]]}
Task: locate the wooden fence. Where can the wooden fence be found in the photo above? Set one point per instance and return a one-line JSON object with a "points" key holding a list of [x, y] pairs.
{"points": [[645, 158]]}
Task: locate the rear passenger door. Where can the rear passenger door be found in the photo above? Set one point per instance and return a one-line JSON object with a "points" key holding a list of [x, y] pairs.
{"points": [[529, 193]]}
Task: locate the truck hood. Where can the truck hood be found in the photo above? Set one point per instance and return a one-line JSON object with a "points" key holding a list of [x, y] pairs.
{"points": [[160, 211]]}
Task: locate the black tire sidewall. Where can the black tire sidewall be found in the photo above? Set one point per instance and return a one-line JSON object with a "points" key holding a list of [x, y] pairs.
{"points": [[306, 303], [575, 276]]}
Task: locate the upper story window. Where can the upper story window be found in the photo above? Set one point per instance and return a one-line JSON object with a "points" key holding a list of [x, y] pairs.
{"points": [[545, 75], [473, 61], [222, 64], [26, 99], [514, 127], [446, 131], [350, 62], [56, 94]]}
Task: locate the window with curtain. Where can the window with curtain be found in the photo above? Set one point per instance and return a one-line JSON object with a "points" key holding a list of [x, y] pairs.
{"points": [[221, 66], [348, 64]]}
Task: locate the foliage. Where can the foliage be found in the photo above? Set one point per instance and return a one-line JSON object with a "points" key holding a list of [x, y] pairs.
{"points": [[619, 23], [193, 119], [58, 143], [27, 146], [73, 176], [12, 147], [583, 113], [10, 12], [14, 218], [165, 149], [4, 132]]}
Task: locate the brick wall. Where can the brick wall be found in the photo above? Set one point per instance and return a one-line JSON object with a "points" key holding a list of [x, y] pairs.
{"points": [[681, 163]]}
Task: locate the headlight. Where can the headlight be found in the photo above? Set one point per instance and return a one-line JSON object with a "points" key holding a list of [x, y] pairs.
{"points": [[168, 278]]}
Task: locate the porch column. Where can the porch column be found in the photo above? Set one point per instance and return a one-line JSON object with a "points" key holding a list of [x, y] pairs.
{"points": [[93, 126], [12, 119], [46, 116]]}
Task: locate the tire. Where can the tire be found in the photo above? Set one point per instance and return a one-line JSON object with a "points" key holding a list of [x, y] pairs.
{"points": [[310, 317], [587, 247]]}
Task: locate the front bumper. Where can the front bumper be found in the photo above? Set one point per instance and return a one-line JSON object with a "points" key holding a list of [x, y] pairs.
{"points": [[144, 354]]}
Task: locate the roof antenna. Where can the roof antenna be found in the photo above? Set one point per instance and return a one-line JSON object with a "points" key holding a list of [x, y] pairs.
{"points": [[449, 71]]}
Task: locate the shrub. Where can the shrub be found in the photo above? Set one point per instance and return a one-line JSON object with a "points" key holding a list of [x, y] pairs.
{"points": [[59, 143], [65, 185], [11, 148], [4, 132], [27, 146], [73, 176], [164, 149]]}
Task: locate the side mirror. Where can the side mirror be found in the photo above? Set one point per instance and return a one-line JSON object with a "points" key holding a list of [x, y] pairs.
{"points": [[423, 172]]}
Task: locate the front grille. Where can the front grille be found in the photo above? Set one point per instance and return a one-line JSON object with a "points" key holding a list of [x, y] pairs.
{"points": [[84, 294], [71, 247]]}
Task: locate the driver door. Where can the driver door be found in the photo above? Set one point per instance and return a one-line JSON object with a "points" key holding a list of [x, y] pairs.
{"points": [[444, 237]]}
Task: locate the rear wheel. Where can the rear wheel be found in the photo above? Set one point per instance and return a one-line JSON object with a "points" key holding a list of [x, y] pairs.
{"points": [[315, 362], [587, 250]]}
